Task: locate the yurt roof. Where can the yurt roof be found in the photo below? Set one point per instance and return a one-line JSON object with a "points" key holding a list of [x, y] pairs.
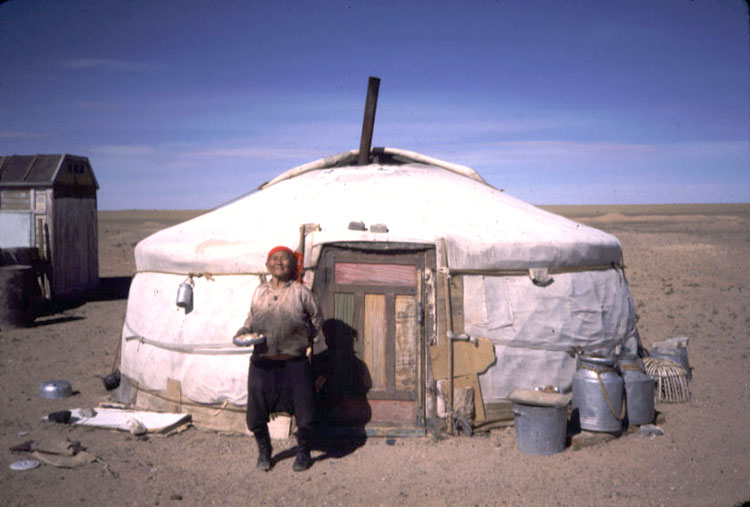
{"points": [[419, 199]]}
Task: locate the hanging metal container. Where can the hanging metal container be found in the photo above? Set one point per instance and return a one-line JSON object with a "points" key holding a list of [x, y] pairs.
{"points": [[639, 390], [598, 394], [185, 294]]}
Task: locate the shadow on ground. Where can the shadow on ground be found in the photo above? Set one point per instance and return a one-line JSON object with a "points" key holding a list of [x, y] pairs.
{"points": [[331, 448], [111, 289]]}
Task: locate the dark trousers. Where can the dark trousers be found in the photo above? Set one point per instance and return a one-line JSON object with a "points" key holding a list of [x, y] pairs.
{"points": [[281, 386]]}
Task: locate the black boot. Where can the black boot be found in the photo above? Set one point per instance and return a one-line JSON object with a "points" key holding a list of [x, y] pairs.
{"points": [[263, 439], [302, 461]]}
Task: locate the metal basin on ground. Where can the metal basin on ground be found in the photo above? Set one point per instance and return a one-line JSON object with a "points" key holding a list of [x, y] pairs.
{"points": [[55, 389]]}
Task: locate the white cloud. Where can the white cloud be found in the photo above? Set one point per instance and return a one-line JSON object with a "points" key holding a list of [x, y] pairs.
{"points": [[251, 152], [123, 150], [635, 192], [586, 155], [96, 105], [105, 63], [457, 126], [556, 151], [10, 134]]}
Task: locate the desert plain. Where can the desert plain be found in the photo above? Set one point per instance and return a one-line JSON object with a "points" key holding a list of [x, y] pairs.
{"points": [[689, 272]]}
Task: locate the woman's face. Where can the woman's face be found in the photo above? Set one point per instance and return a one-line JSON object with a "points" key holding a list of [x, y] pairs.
{"points": [[281, 266]]}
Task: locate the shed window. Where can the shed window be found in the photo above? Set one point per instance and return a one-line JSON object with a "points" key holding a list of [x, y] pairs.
{"points": [[19, 200]]}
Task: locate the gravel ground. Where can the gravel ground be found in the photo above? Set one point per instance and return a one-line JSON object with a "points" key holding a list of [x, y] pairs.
{"points": [[688, 269]]}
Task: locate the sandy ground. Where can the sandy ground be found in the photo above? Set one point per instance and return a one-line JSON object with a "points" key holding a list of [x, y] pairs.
{"points": [[688, 269]]}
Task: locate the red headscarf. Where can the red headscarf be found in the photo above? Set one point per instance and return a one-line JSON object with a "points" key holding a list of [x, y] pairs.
{"points": [[280, 248], [297, 256]]}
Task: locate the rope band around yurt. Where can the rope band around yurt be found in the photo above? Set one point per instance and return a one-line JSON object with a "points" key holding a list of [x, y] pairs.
{"points": [[188, 348], [440, 269], [225, 406], [525, 272], [207, 275]]}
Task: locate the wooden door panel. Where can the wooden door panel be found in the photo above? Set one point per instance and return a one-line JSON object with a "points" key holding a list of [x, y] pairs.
{"points": [[344, 308], [375, 340], [342, 347], [372, 351], [392, 411], [357, 273], [406, 343]]}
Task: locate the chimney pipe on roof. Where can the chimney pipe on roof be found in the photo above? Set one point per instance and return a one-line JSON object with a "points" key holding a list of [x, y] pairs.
{"points": [[368, 123]]}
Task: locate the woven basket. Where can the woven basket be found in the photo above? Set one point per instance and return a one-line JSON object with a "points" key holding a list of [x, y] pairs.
{"points": [[671, 380]]}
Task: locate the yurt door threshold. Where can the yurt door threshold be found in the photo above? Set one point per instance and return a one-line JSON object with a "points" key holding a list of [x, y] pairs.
{"points": [[373, 357]]}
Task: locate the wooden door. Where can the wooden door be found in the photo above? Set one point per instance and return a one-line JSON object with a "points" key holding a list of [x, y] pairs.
{"points": [[372, 357]]}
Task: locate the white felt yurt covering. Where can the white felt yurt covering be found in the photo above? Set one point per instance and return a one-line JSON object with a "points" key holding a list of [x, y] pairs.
{"points": [[491, 238]]}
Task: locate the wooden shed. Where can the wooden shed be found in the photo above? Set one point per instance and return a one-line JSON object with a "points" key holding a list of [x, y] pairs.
{"points": [[48, 219]]}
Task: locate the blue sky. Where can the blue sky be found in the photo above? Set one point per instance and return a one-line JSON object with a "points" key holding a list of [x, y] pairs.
{"points": [[187, 104]]}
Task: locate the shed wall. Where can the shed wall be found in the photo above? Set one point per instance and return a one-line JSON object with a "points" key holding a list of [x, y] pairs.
{"points": [[74, 239]]}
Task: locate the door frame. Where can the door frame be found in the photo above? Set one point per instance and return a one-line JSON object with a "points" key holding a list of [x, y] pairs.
{"points": [[422, 256]]}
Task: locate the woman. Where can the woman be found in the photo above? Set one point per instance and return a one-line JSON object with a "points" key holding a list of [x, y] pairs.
{"points": [[288, 315]]}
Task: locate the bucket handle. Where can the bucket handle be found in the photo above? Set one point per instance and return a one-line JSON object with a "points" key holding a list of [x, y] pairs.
{"points": [[606, 394]]}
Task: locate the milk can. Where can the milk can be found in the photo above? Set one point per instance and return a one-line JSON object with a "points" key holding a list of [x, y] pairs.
{"points": [[598, 394], [185, 295], [639, 390]]}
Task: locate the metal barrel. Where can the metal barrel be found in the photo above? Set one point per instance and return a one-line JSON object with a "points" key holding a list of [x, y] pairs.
{"points": [[598, 395], [16, 300], [639, 390], [540, 430]]}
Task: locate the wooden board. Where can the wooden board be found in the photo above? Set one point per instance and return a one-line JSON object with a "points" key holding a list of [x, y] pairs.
{"points": [[472, 380], [374, 339], [230, 418], [457, 303], [393, 410], [74, 245], [406, 343], [345, 308], [174, 394], [499, 411], [392, 275], [467, 358]]}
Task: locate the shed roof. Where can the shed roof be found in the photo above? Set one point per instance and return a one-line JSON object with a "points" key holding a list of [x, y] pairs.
{"points": [[41, 170]]}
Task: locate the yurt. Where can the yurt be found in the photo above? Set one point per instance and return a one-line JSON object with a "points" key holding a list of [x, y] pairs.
{"points": [[424, 272]]}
